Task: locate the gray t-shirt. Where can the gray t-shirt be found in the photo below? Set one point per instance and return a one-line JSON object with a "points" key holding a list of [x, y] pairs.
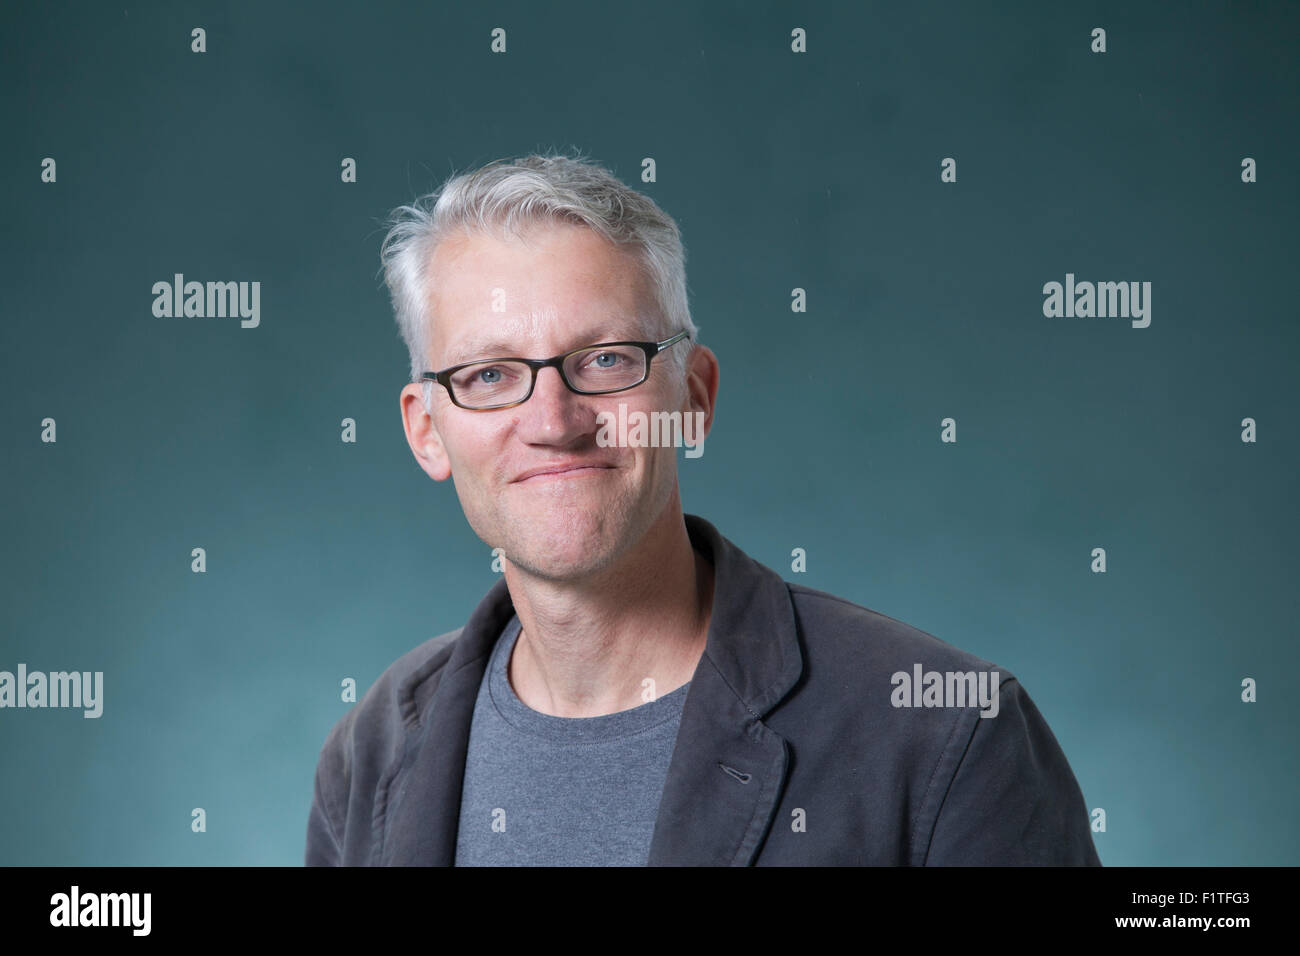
{"points": [[561, 791]]}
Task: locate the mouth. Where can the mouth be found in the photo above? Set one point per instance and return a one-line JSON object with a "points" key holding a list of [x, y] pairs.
{"points": [[561, 473]]}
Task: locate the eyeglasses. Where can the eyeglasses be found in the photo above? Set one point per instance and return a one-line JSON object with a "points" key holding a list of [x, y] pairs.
{"points": [[591, 370]]}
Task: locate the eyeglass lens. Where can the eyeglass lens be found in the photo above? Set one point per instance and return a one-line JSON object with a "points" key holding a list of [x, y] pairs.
{"points": [[603, 369]]}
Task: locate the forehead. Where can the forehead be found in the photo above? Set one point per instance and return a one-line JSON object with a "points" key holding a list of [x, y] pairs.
{"points": [[498, 294]]}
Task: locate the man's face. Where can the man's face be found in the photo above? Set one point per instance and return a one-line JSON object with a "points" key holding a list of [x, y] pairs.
{"points": [[560, 288]]}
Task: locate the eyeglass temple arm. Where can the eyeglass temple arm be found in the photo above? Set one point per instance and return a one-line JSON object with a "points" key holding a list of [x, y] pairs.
{"points": [[660, 346]]}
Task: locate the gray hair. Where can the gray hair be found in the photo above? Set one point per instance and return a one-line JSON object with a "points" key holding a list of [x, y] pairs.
{"points": [[511, 195]]}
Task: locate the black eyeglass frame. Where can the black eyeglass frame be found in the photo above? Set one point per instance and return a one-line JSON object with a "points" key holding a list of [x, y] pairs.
{"points": [[651, 349]]}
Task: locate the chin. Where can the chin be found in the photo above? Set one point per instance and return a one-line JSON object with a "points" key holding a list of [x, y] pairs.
{"points": [[554, 567], [565, 548]]}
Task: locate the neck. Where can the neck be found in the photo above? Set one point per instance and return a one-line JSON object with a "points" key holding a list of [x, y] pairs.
{"points": [[618, 639]]}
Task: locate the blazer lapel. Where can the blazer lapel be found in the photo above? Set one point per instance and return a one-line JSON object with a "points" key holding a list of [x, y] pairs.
{"points": [[423, 811], [728, 768], [726, 776]]}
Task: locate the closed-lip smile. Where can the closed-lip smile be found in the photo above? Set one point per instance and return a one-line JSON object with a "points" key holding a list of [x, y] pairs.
{"points": [[576, 466]]}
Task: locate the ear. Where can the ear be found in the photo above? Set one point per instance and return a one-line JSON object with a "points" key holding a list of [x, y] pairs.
{"points": [[702, 383], [422, 434]]}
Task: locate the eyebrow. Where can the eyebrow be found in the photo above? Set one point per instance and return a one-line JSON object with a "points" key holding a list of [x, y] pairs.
{"points": [[475, 350]]}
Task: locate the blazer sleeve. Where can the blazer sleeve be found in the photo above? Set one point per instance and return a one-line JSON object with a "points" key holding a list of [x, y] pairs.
{"points": [[324, 827], [1013, 799]]}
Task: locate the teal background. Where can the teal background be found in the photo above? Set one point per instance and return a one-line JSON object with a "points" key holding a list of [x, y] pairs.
{"points": [[821, 171]]}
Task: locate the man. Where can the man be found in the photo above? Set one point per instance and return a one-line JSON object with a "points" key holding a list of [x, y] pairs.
{"points": [[636, 689]]}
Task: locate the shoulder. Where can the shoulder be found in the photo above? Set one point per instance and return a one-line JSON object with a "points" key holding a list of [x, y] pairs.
{"points": [[362, 747], [373, 730], [921, 694], [988, 790], [833, 627]]}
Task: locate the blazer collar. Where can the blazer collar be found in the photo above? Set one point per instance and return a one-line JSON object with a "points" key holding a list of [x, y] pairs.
{"points": [[727, 771]]}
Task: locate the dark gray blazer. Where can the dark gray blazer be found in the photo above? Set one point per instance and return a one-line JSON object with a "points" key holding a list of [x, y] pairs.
{"points": [[791, 750]]}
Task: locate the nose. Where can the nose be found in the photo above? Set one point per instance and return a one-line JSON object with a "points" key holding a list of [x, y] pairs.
{"points": [[553, 415]]}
